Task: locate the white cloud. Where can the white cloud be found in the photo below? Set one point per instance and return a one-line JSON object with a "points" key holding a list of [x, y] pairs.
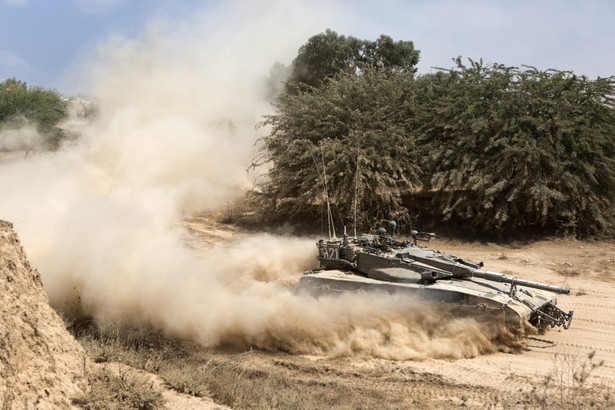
{"points": [[97, 6]]}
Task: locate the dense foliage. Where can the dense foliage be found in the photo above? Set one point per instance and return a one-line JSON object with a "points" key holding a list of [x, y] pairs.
{"points": [[482, 148], [21, 105], [512, 149], [327, 54], [327, 130]]}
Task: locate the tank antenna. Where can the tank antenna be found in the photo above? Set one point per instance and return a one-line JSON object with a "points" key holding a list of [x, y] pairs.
{"points": [[329, 213], [324, 189], [356, 194]]}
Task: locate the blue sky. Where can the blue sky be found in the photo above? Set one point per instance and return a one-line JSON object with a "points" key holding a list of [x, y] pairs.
{"points": [[40, 40]]}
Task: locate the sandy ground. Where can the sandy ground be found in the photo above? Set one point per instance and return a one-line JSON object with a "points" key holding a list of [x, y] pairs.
{"points": [[583, 267], [498, 379]]}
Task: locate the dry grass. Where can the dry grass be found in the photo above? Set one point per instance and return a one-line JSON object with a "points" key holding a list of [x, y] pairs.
{"points": [[236, 378], [110, 391], [229, 379], [566, 386], [568, 272]]}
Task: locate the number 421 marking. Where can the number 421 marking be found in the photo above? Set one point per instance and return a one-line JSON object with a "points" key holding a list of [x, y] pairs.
{"points": [[330, 253]]}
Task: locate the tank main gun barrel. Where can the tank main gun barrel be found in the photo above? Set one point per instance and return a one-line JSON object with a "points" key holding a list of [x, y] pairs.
{"points": [[461, 268], [499, 277]]}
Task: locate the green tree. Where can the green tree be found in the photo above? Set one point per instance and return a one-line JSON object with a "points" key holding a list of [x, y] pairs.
{"points": [[21, 105], [508, 149], [351, 118], [326, 54]]}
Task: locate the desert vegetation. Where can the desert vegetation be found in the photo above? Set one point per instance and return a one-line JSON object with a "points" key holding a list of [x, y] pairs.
{"points": [[23, 106], [477, 147], [231, 377]]}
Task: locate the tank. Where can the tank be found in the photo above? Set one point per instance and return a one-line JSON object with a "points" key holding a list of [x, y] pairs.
{"points": [[381, 263]]}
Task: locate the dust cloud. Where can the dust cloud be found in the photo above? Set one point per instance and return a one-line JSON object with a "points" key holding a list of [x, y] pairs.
{"points": [[101, 218], [25, 138]]}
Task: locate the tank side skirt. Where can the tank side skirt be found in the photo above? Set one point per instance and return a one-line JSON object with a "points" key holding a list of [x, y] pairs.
{"points": [[318, 286]]}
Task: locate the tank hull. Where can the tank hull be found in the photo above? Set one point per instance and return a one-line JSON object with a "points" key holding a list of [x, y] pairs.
{"points": [[472, 296]]}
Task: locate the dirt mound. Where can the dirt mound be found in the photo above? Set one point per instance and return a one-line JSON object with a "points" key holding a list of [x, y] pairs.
{"points": [[41, 364]]}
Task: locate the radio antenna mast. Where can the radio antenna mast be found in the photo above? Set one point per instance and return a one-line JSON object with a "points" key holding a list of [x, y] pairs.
{"points": [[323, 181], [329, 214], [356, 194]]}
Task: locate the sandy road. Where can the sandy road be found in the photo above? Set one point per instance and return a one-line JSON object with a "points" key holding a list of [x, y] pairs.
{"points": [[585, 269]]}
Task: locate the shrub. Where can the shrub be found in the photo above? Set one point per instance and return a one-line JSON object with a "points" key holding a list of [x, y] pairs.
{"points": [[21, 105]]}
